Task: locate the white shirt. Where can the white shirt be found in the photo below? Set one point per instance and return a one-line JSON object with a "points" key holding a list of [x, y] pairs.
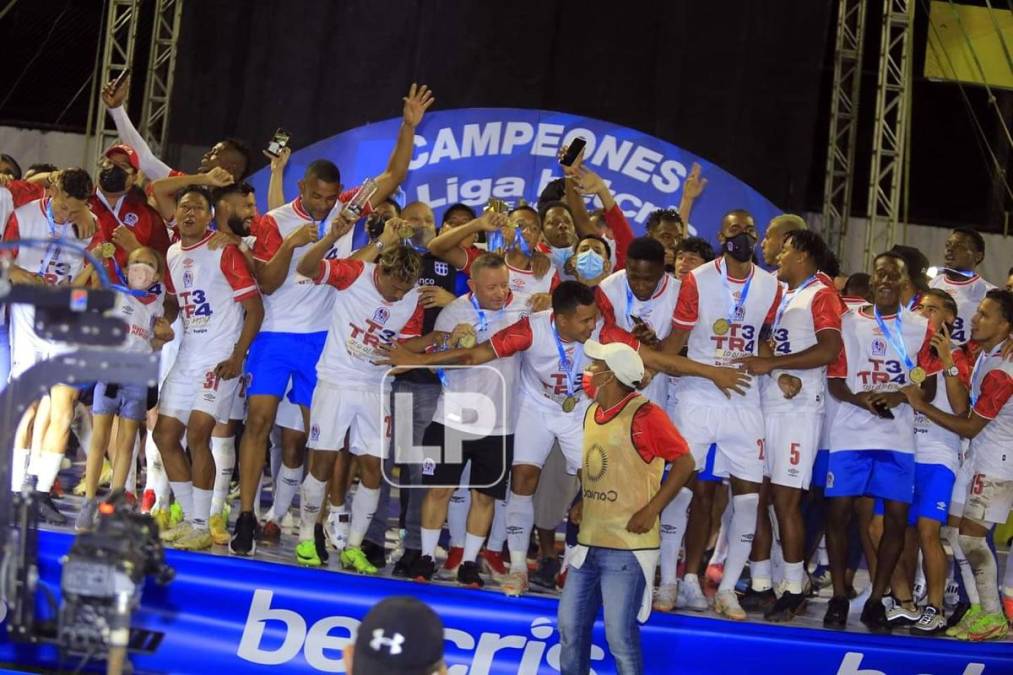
{"points": [[992, 393], [968, 293]]}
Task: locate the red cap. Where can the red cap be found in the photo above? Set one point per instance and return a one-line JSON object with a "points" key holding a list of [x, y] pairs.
{"points": [[124, 149]]}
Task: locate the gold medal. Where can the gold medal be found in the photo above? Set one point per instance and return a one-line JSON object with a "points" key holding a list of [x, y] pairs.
{"points": [[917, 375], [721, 326], [108, 250], [406, 231], [569, 403], [466, 341]]}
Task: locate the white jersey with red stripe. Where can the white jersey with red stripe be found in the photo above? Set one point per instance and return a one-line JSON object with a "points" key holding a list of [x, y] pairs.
{"points": [[831, 404], [703, 302], [992, 393], [618, 306], [209, 286], [298, 305], [968, 293], [361, 322], [806, 311], [869, 362], [525, 281], [140, 314], [933, 443]]}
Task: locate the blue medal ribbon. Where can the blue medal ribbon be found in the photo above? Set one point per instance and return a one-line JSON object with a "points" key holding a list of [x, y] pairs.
{"points": [[53, 250], [565, 364], [123, 286], [787, 298], [896, 340], [732, 305]]}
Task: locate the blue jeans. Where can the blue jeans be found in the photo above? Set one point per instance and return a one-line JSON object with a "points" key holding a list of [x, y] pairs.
{"points": [[612, 579]]}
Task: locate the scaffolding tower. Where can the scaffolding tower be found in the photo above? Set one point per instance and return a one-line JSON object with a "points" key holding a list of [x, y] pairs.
{"points": [[161, 68]]}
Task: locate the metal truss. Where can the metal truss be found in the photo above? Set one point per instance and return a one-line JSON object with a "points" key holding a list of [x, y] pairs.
{"points": [[161, 68]]}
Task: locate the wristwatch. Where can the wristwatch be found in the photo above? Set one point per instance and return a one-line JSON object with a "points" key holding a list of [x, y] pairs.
{"points": [[952, 371], [379, 244]]}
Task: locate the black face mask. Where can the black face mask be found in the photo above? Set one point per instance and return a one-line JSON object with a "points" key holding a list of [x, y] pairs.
{"points": [[239, 226], [740, 247], [112, 179]]}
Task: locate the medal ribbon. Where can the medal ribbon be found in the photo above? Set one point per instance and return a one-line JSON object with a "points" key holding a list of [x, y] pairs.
{"points": [[731, 297], [565, 364], [896, 340], [788, 296]]}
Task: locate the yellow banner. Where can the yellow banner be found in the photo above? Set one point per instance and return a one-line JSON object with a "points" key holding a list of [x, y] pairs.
{"points": [[966, 44]]}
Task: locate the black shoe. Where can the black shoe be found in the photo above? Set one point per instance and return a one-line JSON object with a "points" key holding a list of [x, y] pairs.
{"points": [[422, 569], [321, 543], [48, 513], [545, 576], [244, 535], [402, 568], [837, 612], [957, 614], [786, 608], [874, 616], [758, 601], [467, 575], [375, 554]]}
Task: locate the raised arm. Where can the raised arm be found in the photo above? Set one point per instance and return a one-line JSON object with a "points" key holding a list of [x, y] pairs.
{"points": [[309, 264], [276, 187], [113, 97], [691, 190], [164, 189], [447, 244], [416, 103]]}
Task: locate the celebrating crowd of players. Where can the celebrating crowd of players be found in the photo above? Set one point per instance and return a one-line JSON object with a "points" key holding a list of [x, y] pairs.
{"points": [[816, 410]]}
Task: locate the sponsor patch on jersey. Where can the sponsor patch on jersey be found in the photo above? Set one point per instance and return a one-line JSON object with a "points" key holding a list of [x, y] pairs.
{"points": [[441, 268], [130, 219]]}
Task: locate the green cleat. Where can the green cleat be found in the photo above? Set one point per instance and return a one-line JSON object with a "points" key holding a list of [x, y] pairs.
{"points": [[960, 630], [988, 627], [306, 554], [352, 558], [175, 514]]}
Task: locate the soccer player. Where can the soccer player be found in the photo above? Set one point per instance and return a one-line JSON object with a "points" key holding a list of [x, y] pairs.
{"points": [[872, 441], [965, 249], [774, 238], [989, 425], [690, 253], [221, 308]]}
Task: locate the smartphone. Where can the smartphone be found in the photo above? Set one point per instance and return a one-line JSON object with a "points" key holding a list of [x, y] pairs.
{"points": [[119, 78], [278, 142], [573, 151]]}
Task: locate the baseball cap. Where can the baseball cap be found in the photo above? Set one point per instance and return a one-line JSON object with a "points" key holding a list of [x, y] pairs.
{"points": [[124, 149], [399, 635], [624, 362]]}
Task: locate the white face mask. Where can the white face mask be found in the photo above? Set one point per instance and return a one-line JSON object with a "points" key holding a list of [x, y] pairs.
{"points": [[140, 276]]}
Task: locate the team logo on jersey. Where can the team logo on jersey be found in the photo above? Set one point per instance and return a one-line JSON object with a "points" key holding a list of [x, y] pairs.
{"points": [[381, 315], [130, 219], [830, 480], [187, 279], [878, 347], [428, 466], [740, 313], [441, 268], [315, 432]]}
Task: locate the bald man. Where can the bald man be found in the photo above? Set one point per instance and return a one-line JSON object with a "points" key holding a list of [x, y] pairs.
{"points": [[777, 230]]}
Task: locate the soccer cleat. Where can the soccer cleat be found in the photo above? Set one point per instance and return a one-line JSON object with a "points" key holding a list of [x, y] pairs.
{"points": [[354, 558], [175, 514], [837, 612], [148, 501], [306, 554], [874, 616], [467, 575], [959, 630], [244, 540], [175, 532], [219, 529], [951, 596], [786, 608], [726, 603], [161, 518], [715, 573], [1007, 605], [320, 540], [899, 615], [931, 622], [87, 519], [493, 565], [376, 554], [988, 627], [692, 595], [454, 557], [515, 584], [758, 601], [198, 539], [48, 513], [423, 569], [664, 597], [403, 566], [545, 576], [270, 533]]}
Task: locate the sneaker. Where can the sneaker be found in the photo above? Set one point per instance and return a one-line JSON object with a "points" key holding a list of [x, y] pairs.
{"points": [[175, 514], [545, 576], [931, 622], [244, 540], [837, 612], [175, 532], [988, 627], [354, 558], [715, 573], [959, 629], [198, 539], [161, 518], [515, 584], [919, 594], [423, 569], [493, 565], [147, 501], [219, 529], [899, 615], [786, 608], [664, 597], [306, 553], [454, 558], [726, 603], [404, 564], [48, 513], [1007, 606], [375, 554], [874, 616], [467, 575], [87, 519], [270, 532], [758, 601], [692, 595], [320, 541], [951, 596]]}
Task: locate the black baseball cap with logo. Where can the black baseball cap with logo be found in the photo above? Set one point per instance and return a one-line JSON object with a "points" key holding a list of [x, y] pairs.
{"points": [[399, 635]]}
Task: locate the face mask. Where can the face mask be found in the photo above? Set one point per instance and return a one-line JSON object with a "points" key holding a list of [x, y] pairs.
{"points": [[559, 256], [589, 265], [740, 246], [140, 276], [587, 385], [112, 179]]}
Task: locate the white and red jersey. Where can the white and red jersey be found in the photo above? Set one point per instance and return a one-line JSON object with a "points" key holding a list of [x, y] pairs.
{"points": [[209, 287], [804, 312], [140, 314], [992, 393], [298, 305], [362, 321], [521, 281], [968, 292], [500, 387], [618, 305], [868, 362], [933, 443], [704, 300], [830, 403]]}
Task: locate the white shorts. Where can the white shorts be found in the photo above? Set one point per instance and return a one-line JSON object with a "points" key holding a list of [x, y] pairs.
{"points": [[289, 415], [965, 474], [790, 447], [365, 414], [737, 431], [196, 388], [989, 499], [238, 410], [538, 429], [167, 355]]}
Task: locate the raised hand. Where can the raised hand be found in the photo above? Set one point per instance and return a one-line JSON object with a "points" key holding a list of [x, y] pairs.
{"points": [[112, 95], [589, 183], [340, 227], [218, 177], [416, 103], [693, 186], [278, 163], [307, 233]]}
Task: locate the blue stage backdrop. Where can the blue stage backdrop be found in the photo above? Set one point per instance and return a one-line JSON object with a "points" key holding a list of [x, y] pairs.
{"points": [[469, 155]]}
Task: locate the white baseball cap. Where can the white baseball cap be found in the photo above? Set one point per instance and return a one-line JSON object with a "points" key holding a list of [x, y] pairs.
{"points": [[624, 361]]}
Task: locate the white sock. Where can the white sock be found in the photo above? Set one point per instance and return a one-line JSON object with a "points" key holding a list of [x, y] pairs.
{"points": [[156, 479], [673, 529], [45, 466], [960, 560], [457, 516], [183, 490], [721, 546], [498, 531], [740, 538], [309, 505], [920, 570], [760, 575], [363, 508], [472, 545], [201, 508], [985, 576], [276, 451], [223, 450], [285, 489], [691, 579], [131, 484], [430, 538], [520, 518], [793, 577], [776, 551], [823, 557], [19, 465]]}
